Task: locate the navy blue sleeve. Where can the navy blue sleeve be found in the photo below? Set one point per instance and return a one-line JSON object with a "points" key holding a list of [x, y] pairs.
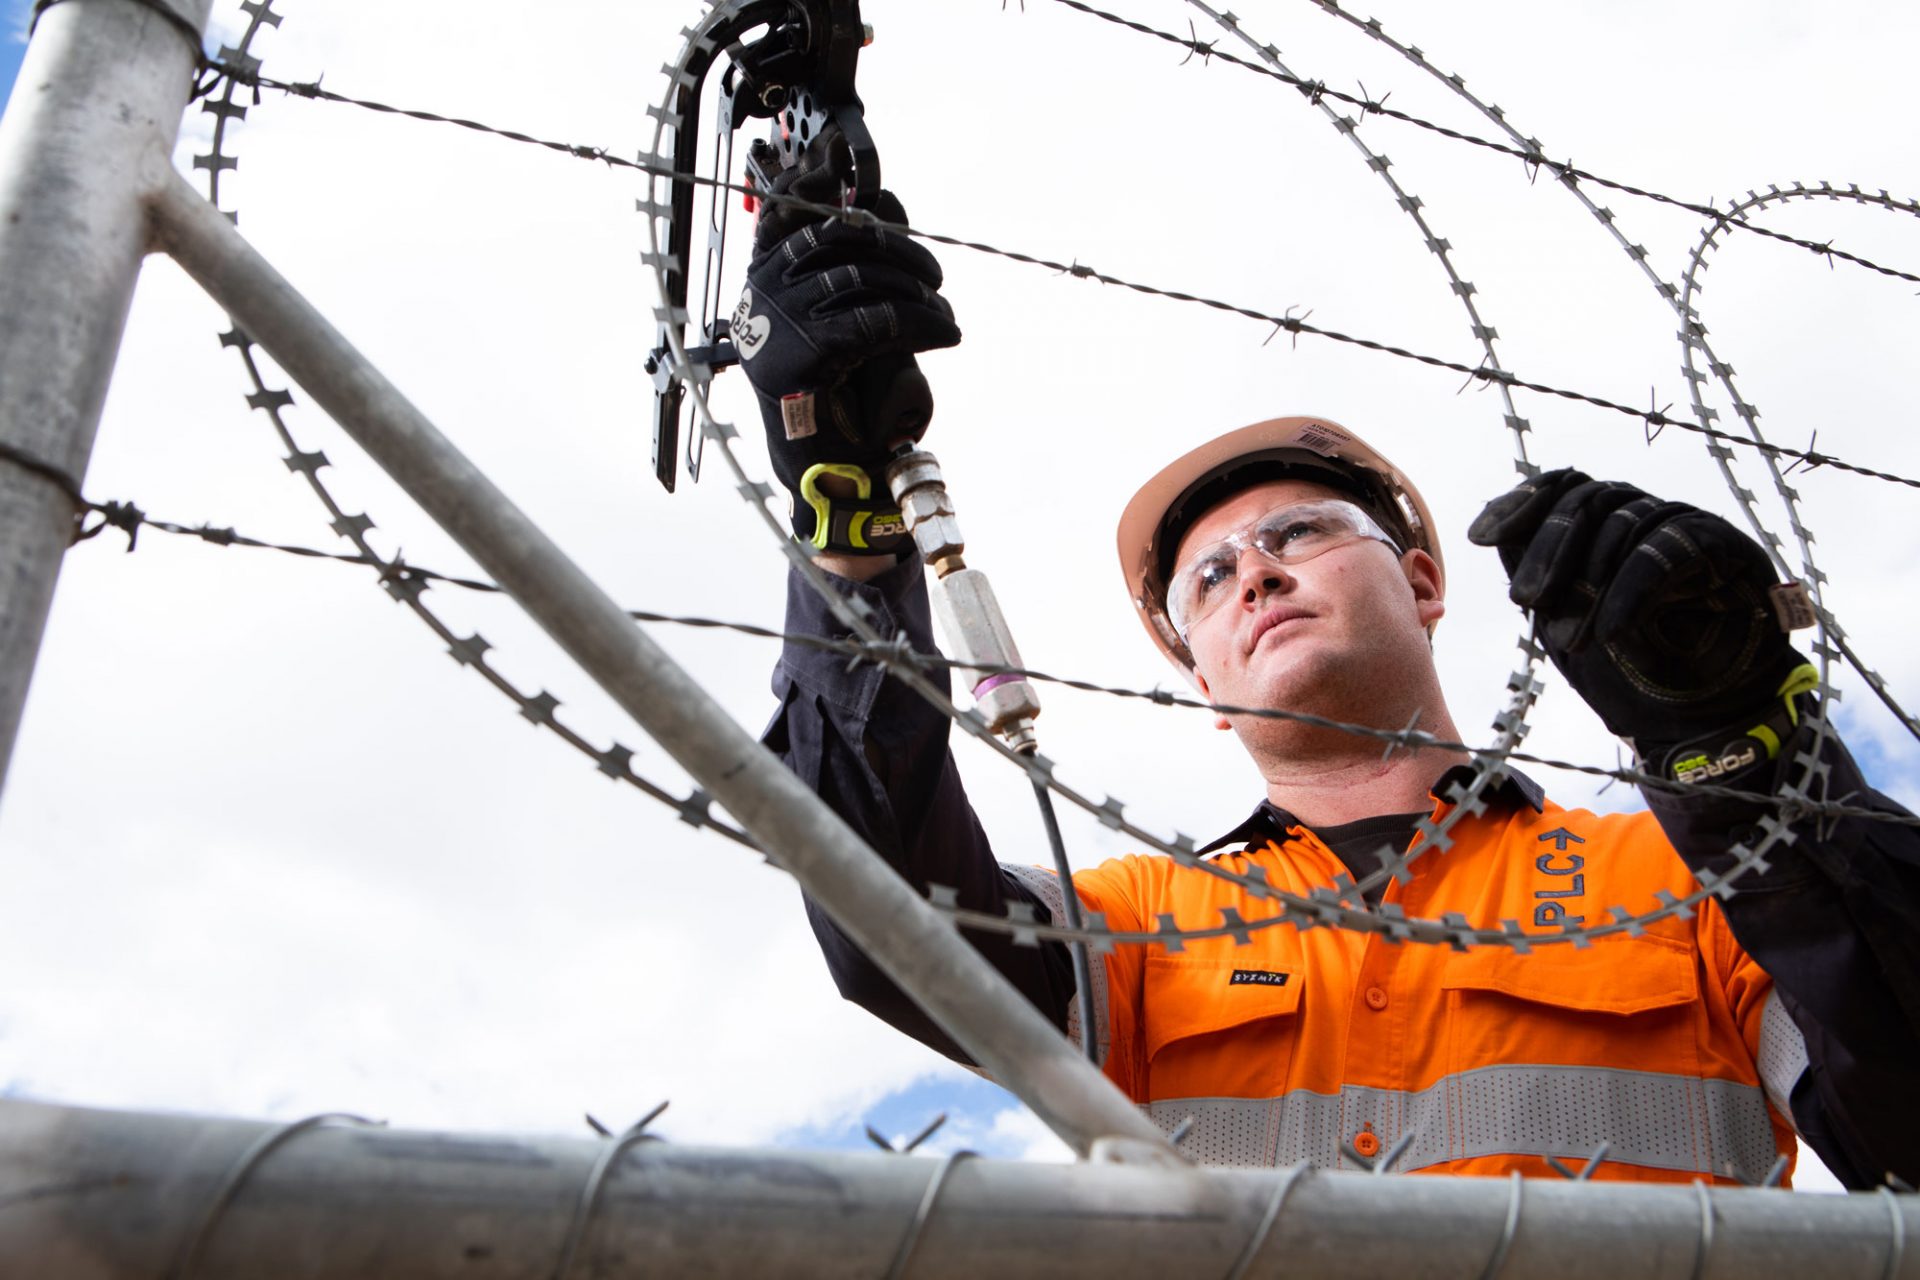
{"points": [[1835, 921], [877, 753]]}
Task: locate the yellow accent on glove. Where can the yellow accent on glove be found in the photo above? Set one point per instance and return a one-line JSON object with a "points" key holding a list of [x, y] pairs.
{"points": [[1804, 678], [823, 505]]}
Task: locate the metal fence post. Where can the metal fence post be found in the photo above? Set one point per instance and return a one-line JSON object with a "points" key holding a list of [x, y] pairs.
{"points": [[88, 132], [98, 1195]]}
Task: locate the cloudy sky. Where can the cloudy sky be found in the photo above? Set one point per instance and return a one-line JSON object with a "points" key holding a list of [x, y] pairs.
{"points": [[270, 852]]}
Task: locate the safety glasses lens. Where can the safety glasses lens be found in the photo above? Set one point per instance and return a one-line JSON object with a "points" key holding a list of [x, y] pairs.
{"points": [[1287, 535]]}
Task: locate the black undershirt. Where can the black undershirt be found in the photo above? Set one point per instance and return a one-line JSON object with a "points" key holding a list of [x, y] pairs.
{"points": [[1357, 844]]}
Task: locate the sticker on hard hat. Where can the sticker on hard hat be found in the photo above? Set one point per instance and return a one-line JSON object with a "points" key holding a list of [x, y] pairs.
{"points": [[1321, 438]]}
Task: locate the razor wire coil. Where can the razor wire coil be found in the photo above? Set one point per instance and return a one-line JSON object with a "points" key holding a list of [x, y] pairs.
{"points": [[1336, 905], [1430, 833]]}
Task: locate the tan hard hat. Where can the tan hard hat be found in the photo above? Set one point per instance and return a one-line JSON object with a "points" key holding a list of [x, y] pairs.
{"points": [[1294, 448]]}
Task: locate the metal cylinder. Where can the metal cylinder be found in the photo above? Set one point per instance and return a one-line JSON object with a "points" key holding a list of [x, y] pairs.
{"points": [[963, 599], [86, 136], [978, 634], [920, 489]]}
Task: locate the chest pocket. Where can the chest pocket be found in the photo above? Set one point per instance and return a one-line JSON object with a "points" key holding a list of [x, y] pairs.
{"points": [[1215, 1028], [1631, 1003]]}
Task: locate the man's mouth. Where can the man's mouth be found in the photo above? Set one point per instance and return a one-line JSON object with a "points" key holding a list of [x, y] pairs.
{"points": [[1270, 619]]}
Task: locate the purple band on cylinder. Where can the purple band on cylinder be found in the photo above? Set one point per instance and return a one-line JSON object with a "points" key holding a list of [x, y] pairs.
{"points": [[991, 683]]}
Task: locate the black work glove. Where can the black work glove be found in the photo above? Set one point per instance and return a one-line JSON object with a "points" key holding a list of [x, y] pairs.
{"points": [[826, 329], [1662, 616]]}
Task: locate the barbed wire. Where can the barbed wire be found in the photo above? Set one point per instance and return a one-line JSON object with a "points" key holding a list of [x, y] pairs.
{"points": [[1831, 643], [897, 652], [405, 582], [1512, 720], [1636, 253], [1522, 684], [1434, 833], [1429, 833], [1693, 337], [472, 649], [1691, 332], [129, 518], [758, 494], [1463, 290], [1532, 154], [856, 615], [1830, 640], [1653, 419], [1333, 907], [1511, 725]]}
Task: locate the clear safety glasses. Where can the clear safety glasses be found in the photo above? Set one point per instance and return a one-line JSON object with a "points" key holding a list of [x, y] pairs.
{"points": [[1290, 534]]}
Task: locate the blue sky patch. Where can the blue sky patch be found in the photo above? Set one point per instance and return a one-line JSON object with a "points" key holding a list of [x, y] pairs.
{"points": [[13, 44], [981, 1117]]}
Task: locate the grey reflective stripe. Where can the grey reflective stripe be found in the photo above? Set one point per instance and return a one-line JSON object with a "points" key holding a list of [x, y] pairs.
{"points": [[1046, 886], [1782, 1056], [1645, 1118]]}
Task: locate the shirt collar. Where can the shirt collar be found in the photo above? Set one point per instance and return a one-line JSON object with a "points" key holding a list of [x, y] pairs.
{"points": [[1271, 822]]}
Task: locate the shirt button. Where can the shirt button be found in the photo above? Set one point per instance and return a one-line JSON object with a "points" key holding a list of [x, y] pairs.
{"points": [[1376, 997], [1367, 1143]]}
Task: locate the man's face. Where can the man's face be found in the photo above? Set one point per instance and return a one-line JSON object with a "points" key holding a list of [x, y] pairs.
{"points": [[1336, 635]]}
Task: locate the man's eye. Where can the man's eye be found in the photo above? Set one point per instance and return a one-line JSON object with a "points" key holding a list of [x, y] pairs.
{"points": [[1293, 529], [1212, 574]]}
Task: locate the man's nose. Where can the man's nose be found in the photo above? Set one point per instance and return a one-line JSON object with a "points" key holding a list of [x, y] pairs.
{"points": [[1260, 576]]}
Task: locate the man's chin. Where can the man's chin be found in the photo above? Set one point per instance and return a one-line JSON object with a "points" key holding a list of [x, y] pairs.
{"points": [[1309, 684]]}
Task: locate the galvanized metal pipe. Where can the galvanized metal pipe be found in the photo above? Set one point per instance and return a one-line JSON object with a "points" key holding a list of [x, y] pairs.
{"points": [[876, 907], [87, 132], [91, 1195]]}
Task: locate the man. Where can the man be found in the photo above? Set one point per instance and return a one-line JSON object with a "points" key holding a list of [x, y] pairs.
{"points": [[1288, 566]]}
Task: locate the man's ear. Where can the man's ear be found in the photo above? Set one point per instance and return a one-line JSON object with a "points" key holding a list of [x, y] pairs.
{"points": [[1200, 681], [1423, 575]]}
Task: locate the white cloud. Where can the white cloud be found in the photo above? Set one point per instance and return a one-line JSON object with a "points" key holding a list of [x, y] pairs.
{"points": [[1029, 1138]]}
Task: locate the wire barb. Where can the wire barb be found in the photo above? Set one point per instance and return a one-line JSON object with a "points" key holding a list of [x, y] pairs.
{"points": [[1508, 1230], [1269, 1221], [597, 1177], [924, 1213], [186, 1262]]}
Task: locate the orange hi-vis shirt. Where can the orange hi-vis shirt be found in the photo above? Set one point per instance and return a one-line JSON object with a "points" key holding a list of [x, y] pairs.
{"points": [[1306, 1042]]}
